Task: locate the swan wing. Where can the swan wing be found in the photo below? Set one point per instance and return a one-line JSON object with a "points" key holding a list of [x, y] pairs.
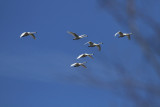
{"points": [[74, 34], [83, 65], [99, 47], [23, 34], [129, 37], [73, 64], [90, 56], [33, 36], [80, 56], [86, 43], [116, 34]]}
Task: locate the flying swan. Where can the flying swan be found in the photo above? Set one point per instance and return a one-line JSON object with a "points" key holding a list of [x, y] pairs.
{"points": [[76, 37], [28, 34], [91, 44], [78, 64], [123, 35], [85, 55]]}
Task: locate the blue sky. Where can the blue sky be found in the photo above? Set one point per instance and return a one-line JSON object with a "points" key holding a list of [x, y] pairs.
{"points": [[37, 73]]}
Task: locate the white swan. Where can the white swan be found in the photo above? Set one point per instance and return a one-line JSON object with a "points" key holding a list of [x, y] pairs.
{"points": [[91, 44], [78, 64], [85, 55], [77, 36], [123, 34], [27, 34]]}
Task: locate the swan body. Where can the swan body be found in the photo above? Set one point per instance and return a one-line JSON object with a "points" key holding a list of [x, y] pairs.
{"points": [[28, 34], [76, 37], [78, 64]]}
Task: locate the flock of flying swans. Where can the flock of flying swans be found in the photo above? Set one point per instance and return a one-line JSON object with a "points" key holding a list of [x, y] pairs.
{"points": [[76, 37]]}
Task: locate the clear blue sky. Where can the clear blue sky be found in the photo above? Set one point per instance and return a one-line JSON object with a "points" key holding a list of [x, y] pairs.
{"points": [[37, 73]]}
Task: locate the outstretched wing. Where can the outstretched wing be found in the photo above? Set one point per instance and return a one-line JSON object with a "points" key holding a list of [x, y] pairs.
{"points": [[33, 36], [99, 47], [90, 56], [80, 56], [83, 66], [23, 34], [116, 34], [74, 34], [72, 65], [129, 37], [86, 43]]}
